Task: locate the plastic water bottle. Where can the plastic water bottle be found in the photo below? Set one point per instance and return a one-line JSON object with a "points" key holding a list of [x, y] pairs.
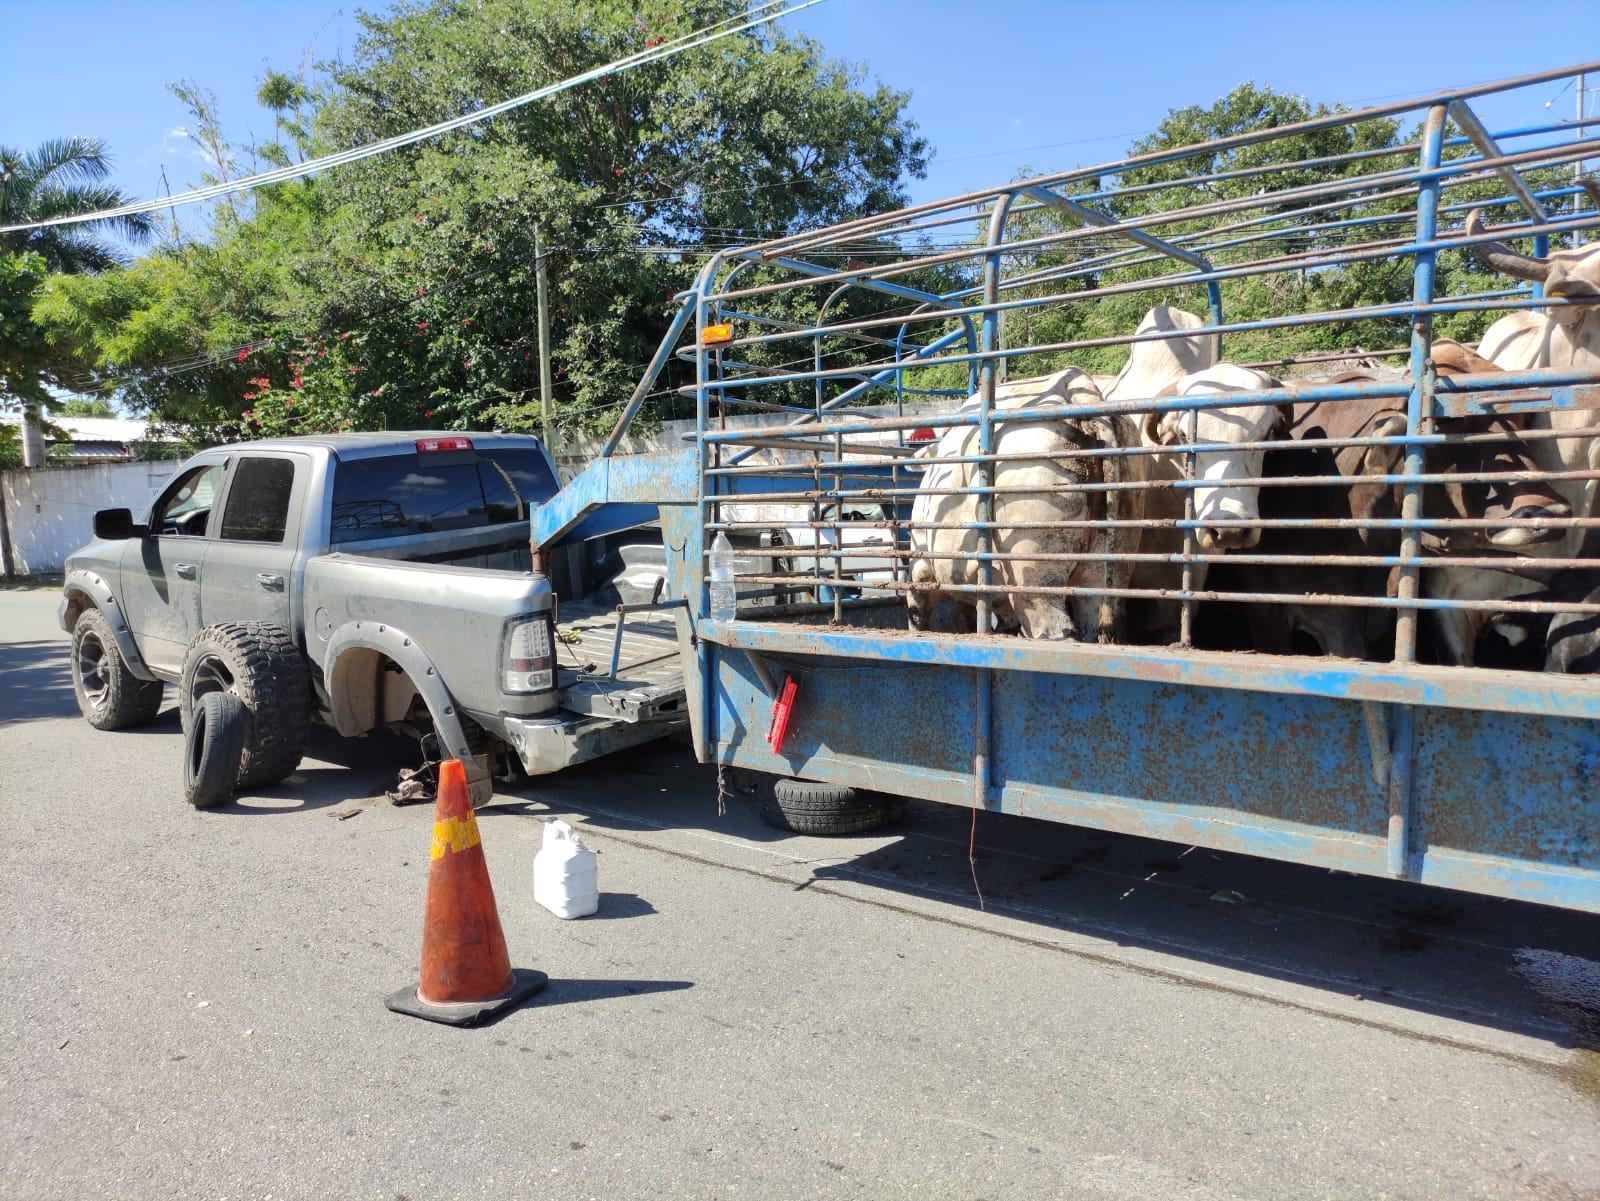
{"points": [[724, 594], [566, 877]]}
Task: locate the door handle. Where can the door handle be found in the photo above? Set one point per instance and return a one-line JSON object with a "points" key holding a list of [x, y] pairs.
{"points": [[273, 583], [187, 570]]}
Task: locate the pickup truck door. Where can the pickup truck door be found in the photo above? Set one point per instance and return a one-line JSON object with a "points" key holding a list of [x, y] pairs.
{"points": [[160, 572], [251, 557]]}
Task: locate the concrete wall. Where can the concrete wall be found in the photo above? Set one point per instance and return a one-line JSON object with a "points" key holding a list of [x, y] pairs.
{"points": [[50, 510]]}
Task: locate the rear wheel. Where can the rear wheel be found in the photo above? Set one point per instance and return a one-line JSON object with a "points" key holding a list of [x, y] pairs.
{"points": [[260, 664], [810, 808], [110, 696]]}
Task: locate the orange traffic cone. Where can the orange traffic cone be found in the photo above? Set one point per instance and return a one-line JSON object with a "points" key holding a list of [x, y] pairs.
{"points": [[466, 973]]}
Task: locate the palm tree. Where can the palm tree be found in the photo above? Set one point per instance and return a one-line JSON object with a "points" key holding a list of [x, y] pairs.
{"points": [[60, 178]]}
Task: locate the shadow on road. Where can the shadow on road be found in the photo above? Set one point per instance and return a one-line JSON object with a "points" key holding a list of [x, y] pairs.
{"points": [[568, 992], [336, 771], [35, 681], [614, 905], [1389, 944]]}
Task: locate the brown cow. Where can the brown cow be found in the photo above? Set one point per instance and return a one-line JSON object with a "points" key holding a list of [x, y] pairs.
{"points": [[1563, 338], [1361, 632]]}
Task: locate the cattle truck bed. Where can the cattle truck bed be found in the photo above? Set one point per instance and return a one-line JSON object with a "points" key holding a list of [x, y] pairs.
{"points": [[1402, 733]]}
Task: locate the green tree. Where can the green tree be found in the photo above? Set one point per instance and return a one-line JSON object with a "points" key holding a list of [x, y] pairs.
{"points": [[1252, 175], [56, 179], [62, 178], [86, 407], [1253, 172], [401, 290], [631, 179]]}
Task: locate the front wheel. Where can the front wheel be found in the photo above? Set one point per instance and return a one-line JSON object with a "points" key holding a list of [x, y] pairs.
{"points": [[260, 664], [110, 696]]}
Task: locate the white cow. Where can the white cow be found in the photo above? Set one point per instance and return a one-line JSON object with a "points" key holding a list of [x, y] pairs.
{"points": [[1036, 484], [1564, 338], [1188, 366]]}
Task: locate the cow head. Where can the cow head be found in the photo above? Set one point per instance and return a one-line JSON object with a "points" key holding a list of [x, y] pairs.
{"points": [[1221, 498], [1521, 499], [1525, 499], [1565, 274]]}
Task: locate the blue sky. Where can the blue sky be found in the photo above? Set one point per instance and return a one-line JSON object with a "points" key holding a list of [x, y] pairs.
{"points": [[995, 85]]}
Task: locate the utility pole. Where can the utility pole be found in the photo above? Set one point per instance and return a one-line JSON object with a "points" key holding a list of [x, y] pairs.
{"points": [[5, 534], [32, 436], [544, 335]]}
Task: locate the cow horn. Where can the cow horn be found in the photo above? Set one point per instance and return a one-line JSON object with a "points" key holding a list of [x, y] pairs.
{"points": [[1497, 256], [1591, 185]]}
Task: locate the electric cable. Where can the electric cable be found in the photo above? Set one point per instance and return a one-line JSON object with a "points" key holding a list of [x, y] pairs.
{"points": [[667, 49]]}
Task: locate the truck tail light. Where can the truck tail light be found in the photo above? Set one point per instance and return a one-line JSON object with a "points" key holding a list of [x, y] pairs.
{"points": [[529, 663], [430, 445]]}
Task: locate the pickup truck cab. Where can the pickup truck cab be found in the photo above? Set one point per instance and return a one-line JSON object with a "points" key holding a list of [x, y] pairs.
{"points": [[364, 580]]}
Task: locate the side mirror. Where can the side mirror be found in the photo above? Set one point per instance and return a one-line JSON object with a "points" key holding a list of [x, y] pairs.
{"points": [[113, 525]]}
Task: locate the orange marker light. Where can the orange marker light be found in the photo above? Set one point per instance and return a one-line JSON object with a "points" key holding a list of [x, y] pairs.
{"points": [[717, 335]]}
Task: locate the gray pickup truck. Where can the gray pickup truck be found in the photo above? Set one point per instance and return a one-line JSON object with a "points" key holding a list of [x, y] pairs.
{"points": [[366, 581]]}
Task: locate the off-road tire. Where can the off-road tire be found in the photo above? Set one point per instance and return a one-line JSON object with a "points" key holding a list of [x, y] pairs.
{"points": [[809, 808], [110, 696], [213, 745], [260, 664]]}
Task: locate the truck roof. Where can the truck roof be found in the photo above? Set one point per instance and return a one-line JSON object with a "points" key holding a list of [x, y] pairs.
{"points": [[378, 442]]}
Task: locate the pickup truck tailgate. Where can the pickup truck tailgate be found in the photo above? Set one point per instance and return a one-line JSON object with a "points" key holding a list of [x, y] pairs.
{"points": [[634, 677]]}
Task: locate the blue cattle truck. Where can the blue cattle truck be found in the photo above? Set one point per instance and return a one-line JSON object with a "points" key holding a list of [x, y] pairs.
{"points": [[1259, 516]]}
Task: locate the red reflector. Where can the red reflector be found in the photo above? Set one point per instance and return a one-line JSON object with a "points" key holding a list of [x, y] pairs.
{"points": [[427, 444], [781, 710], [921, 434]]}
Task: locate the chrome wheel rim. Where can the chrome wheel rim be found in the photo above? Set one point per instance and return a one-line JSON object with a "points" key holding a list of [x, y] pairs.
{"points": [[93, 679], [210, 675]]}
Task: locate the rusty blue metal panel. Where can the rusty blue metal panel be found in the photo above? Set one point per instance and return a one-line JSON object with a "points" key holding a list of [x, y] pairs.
{"points": [[1514, 785], [1453, 687], [613, 494], [1496, 805]]}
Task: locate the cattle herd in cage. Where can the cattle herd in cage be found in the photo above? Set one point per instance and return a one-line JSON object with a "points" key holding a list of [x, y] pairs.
{"points": [[1285, 524]]}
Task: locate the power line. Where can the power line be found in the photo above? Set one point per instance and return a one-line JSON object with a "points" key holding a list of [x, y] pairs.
{"points": [[667, 49]]}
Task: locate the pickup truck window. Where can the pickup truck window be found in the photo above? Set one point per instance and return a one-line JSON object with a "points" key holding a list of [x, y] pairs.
{"points": [[185, 506], [258, 501], [513, 482], [417, 493]]}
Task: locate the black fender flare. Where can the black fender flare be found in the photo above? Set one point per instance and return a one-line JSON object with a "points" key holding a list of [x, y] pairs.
{"points": [[395, 644], [83, 585]]}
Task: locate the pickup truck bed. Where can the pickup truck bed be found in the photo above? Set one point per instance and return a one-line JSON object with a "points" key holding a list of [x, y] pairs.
{"points": [[646, 683], [602, 711]]}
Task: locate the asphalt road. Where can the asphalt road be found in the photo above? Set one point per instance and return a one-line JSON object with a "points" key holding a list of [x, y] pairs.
{"points": [[190, 1002]]}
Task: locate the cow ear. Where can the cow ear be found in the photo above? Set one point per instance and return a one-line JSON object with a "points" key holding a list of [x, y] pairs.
{"points": [[1101, 431], [1381, 460]]}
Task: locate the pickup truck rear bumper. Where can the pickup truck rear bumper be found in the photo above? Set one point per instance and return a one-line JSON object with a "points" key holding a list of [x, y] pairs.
{"points": [[547, 744]]}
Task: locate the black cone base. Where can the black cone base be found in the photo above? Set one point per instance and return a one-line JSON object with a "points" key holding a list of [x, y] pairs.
{"points": [[524, 983]]}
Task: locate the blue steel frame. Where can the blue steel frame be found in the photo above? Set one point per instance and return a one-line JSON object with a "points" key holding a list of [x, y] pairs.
{"points": [[1466, 778]]}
